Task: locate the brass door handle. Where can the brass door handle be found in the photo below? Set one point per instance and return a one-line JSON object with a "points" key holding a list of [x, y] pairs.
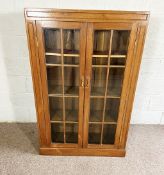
{"points": [[87, 82], [82, 82]]}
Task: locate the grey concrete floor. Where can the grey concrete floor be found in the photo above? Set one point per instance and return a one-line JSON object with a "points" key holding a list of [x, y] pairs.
{"points": [[19, 154]]}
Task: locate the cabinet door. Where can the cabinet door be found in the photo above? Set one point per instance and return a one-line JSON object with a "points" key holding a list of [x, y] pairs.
{"points": [[108, 62], [62, 59]]}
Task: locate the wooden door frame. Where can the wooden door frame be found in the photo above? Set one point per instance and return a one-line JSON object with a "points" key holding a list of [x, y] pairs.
{"points": [[41, 55], [35, 71], [137, 56], [108, 26]]}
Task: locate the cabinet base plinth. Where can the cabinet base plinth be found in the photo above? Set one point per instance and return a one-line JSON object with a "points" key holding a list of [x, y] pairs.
{"points": [[83, 152]]}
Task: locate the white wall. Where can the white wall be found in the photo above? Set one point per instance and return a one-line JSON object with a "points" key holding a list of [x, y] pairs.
{"points": [[16, 94]]}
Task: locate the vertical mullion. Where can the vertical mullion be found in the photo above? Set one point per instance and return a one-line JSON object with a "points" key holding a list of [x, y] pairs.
{"points": [[106, 86], [62, 61]]}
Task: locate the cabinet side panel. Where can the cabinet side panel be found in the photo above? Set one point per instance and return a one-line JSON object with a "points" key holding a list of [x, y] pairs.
{"points": [[133, 81], [126, 88], [32, 45]]}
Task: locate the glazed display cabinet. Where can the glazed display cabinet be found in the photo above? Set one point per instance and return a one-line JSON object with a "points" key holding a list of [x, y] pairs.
{"points": [[84, 67]]}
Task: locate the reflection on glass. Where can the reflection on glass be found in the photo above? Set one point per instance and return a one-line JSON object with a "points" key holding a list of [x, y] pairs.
{"points": [[96, 109], [71, 60], [56, 108], [98, 81], [101, 42], [72, 108], [57, 133], [109, 134], [100, 61], [52, 40], [71, 80], [117, 61], [51, 59], [71, 41], [112, 108], [71, 133], [54, 79], [120, 42], [115, 81], [94, 134]]}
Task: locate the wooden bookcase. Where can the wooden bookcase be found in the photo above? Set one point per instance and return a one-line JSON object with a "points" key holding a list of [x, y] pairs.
{"points": [[84, 67]]}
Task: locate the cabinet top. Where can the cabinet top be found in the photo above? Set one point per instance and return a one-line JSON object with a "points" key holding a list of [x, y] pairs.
{"points": [[85, 15]]}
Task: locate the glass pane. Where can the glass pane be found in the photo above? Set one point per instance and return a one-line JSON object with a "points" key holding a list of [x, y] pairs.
{"points": [[71, 42], [56, 108], [96, 109], [57, 133], [52, 40], [51, 59], [71, 80], [99, 61], [115, 81], [94, 134], [101, 46], [71, 60], [112, 109], [101, 42], [120, 42], [71, 109], [71, 133], [98, 81], [117, 61], [54, 79], [109, 134]]}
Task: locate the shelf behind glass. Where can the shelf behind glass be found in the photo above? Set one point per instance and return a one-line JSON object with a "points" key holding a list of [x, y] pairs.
{"points": [[71, 80], [54, 82], [111, 110], [96, 109], [71, 60], [94, 136], [117, 61], [100, 61], [71, 133], [56, 108], [52, 59], [96, 115], [55, 91], [57, 132], [66, 53], [115, 81], [110, 116], [103, 62], [109, 131], [71, 109], [56, 115], [98, 81]]}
